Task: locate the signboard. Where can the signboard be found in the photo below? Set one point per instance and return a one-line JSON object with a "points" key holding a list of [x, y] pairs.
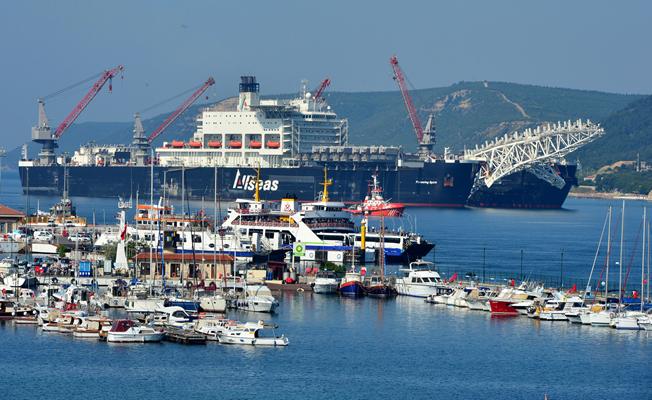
{"points": [[298, 249], [84, 268]]}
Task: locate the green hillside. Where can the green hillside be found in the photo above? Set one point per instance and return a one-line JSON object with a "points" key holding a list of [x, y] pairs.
{"points": [[467, 113], [628, 133]]}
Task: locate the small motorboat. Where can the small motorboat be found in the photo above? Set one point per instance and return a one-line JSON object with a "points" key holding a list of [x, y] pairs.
{"points": [[129, 331], [250, 334], [377, 286], [325, 282], [91, 328], [25, 315]]}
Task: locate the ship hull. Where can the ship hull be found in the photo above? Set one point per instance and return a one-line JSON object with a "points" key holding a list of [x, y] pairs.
{"points": [[437, 184], [524, 190]]}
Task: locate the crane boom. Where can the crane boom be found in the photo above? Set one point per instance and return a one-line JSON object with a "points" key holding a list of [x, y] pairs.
{"points": [[399, 77], [320, 90], [95, 89], [183, 107]]}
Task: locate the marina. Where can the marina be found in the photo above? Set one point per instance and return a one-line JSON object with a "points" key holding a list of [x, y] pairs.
{"points": [[432, 200]]}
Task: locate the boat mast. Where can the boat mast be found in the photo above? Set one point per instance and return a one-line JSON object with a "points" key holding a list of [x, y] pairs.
{"points": [[620, 261], [214, 221], [326, 183], [606, 287], [643, 260], [149, 212], [382, 247], [595, 258]]}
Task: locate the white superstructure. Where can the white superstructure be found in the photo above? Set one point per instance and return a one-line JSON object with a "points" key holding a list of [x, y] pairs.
{"points": [[258, 132]]}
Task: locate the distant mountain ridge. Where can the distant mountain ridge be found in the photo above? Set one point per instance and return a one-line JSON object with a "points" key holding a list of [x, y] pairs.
{"points": [[467, 113]]}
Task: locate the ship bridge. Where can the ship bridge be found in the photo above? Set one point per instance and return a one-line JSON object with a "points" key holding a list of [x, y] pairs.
{"points": [[533, 150]]}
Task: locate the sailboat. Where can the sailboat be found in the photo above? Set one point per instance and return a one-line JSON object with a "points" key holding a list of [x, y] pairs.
{"points": [[629, 320], [376, 285], [351, 284]]}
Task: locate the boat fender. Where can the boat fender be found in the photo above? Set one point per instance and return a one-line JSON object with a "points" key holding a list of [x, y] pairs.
{"points": [[189, 285], [212, 286], [73, 281], [55, 280], [300, 290]]}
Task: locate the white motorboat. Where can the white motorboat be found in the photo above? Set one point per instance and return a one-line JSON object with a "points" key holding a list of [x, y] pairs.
{"points": [[628, 320], [419, 280], [212, 328], [174, 316], [256, 298], [325, 282], [211, 302], [251, 335], [91, 327], [128, 331], [556, 309], [443, 293], [142, 306]]}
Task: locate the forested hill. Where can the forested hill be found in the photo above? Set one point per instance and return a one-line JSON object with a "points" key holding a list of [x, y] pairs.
{"points": [[628, 135], [466, 113]]}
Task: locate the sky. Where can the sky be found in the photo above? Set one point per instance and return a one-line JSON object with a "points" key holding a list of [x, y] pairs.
{"points": [[168, 47]]}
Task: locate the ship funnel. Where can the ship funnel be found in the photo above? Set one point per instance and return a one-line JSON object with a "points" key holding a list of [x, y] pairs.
{"points": [[248, 93]]}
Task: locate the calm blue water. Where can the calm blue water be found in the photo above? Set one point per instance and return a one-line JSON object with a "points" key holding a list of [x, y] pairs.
{"points": [[344, 348], [368, 348], [462, 236]]}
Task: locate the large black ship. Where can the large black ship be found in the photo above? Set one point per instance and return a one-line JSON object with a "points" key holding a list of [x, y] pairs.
{"points": [[291, 141]]}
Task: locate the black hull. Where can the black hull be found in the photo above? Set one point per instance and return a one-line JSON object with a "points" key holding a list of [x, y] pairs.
{"points": [[381, 291], [525, 190], [438, 184]]}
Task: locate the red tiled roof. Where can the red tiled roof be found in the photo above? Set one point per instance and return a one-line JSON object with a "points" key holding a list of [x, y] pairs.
{"points": [[9, 212], [188, 257]]}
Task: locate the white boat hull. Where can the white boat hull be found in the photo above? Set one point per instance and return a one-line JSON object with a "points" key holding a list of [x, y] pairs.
{"points": [[114, 337], [415, 290], [552, 316], [281, 341], [325, 288], [213, 304]]}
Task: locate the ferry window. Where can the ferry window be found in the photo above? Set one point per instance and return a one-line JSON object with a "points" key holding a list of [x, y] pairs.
{"points": [[414, 280]]}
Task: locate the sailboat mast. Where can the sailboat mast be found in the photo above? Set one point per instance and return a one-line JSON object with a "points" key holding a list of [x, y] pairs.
{"points": [[620, 261], [214, 221], [643, 260], [606, 287], [151, 207], [382, 247]]}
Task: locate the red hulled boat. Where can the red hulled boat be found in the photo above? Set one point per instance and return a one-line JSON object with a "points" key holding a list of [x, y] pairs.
{"points": [[375, 205]]}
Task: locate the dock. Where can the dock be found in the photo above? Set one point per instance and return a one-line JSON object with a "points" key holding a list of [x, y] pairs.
{"points": [[184, 336]]}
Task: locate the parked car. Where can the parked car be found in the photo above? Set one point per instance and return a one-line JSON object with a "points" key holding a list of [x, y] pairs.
{"points": [[80, 237], [43, 236]]}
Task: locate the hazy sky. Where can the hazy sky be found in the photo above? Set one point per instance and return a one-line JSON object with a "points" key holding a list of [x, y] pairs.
{"points": [[170, 46]]}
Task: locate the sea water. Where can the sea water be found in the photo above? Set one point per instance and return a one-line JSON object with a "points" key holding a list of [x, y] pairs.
{"points": [[366, 348]]}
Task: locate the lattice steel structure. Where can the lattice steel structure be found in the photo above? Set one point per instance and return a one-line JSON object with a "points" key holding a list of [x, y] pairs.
{"points": [[532, 149]]}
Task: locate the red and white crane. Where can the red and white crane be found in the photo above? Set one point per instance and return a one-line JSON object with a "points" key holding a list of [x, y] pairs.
{"points": [[423, 137], [106, 76], [183, 107], [320, 90]]}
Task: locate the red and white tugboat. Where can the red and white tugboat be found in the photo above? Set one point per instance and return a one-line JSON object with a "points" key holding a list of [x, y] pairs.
{"points": [[375, 205]]}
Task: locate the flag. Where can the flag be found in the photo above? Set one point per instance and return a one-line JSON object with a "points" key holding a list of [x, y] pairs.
{"points": [[123, 234], [453, 278]]}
